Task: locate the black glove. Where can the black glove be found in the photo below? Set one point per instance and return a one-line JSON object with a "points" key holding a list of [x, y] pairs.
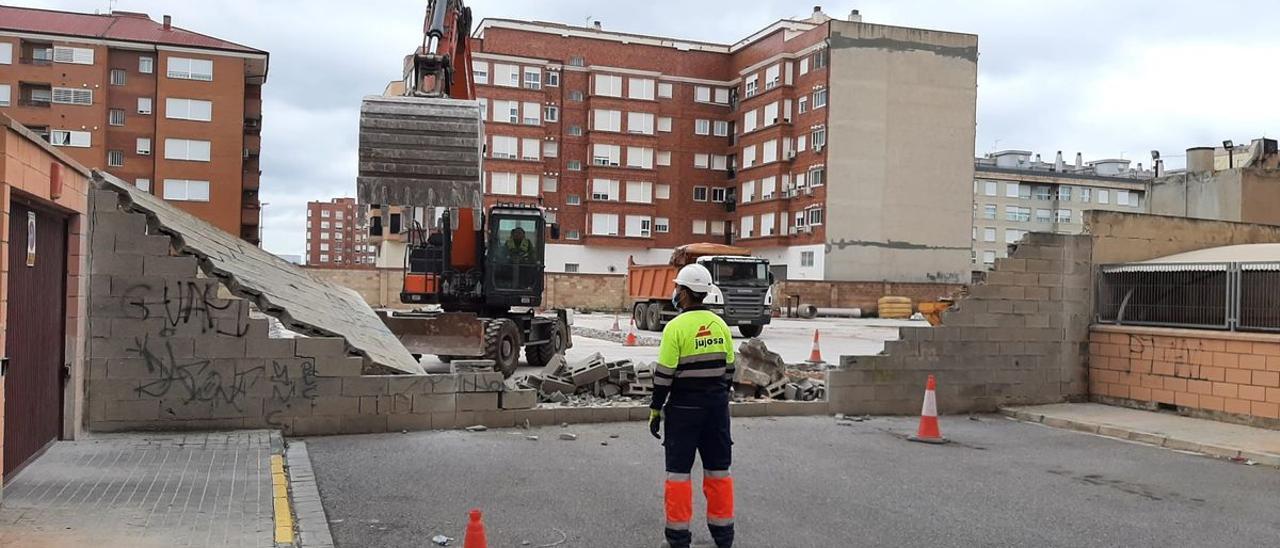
{"points": [[655, 422]]}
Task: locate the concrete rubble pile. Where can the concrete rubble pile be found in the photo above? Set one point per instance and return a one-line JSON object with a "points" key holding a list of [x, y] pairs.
{"points": [[761, 373], [593, 381]]}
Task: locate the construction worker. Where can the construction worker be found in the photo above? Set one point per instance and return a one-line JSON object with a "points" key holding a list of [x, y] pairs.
{"points": [[691, 391], [519, 249]]}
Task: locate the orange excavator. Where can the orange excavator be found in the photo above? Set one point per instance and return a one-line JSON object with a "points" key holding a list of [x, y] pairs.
{"points": [[478, 273]]}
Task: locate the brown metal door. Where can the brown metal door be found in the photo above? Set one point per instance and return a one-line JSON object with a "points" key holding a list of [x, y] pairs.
{"points": [[34, 332]]}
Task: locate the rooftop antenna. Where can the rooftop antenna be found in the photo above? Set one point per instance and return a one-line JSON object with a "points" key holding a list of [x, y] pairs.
{"points": [[111, 6]]}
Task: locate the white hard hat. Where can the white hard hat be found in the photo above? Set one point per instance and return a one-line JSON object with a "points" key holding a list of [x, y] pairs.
{"points": [[695, 277]]}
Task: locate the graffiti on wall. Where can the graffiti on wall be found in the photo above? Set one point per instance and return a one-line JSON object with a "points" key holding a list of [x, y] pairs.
{"points": [[187, 303]]}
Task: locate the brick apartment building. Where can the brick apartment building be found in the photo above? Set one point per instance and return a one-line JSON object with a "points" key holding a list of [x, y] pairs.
{"points": [[176, 112], [335, 238], [805, 141]]}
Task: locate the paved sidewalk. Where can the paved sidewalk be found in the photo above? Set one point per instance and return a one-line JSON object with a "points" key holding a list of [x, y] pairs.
{"points": [[1214, 438], [145, 490]]}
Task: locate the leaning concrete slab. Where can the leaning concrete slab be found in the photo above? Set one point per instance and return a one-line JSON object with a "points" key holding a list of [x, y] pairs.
{"points": [[300, 301]]}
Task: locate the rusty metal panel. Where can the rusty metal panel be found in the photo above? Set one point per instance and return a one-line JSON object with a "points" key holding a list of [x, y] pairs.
{"points": [[35, 332], [418, 151], [443, 334]]}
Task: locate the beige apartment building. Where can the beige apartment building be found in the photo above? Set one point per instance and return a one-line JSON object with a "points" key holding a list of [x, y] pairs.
{"points": [[1015, 193]]}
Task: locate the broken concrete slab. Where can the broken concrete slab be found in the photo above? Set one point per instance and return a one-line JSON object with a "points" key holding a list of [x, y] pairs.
{"points": [[586, 375], [557, 384], [518, 399], [302, 302], [554, 366]]}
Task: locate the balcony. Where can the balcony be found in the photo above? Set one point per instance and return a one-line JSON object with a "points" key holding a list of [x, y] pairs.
{"points": [[251, 179], [37, 103], [252, 126]]}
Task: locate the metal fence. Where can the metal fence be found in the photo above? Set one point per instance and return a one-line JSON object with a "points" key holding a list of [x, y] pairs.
{"points": [[1226, 296]]}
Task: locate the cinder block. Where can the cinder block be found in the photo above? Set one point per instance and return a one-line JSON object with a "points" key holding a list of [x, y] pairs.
{"points": [[314, 347], [265, 347], [447, 420], [142, 244], [335, 405], [538, 416], [369, 385], [295, 407], [133, 410], [557, 384], [496, 419], [409, 385], [219, 347], [368, 405], [314, 426], [394, 404], [434, 403], [176, 266], [339, 366], [443, 384], [409, 422], [587, 375], [477, 401], [612, 414], [491, 382], [518, 399]]}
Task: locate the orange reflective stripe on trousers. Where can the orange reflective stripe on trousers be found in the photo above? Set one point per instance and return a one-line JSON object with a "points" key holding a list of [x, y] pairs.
{"points": [[679, 496], [717, 485]]}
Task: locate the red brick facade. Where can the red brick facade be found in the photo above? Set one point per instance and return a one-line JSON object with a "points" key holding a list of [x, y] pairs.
{"points": [[706, 140], [335, 238], [218, 113]]}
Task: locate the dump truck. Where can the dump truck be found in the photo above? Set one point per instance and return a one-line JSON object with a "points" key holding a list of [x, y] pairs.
{"points": [[741, 292]]}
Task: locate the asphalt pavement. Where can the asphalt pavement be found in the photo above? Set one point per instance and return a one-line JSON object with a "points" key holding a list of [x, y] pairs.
{"points": [[802, 482]]}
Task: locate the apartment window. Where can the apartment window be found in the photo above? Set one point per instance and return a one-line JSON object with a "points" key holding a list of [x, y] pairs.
{"points": [[185, 190], [143, 184], [664, 124], [1017, 214], [640, 157], [699, 193], [529, 184], [144, 105], [719, 162], [186, 149], [502, 183], [576, 96], [719, 194], [325, 213], [604, 224], [768, 224], [115, 117], [820, 58], [551, 149], [604, 190], [551, 113], [640, 88], [639, 192], [640, 122], [574, 165], [803, 104], [748, 191], [988, 234], [1104, 196], [752, 86], [1064, 215], [67, 138], [553, 79], [530, 149], [577, 61], [324, 247], [115, 158], [772, 76], [1085, 194], [989, 211], [606, 155], [702, 94], [1011, 235], [1064, 193], [815, 216], [1123, 198], [717, 227], [664, 158], [6, 53], [819, 138], [573, 199], [75, 56], [662, 192], [769, 151], [817, 176], [771, 113], [1042, 193], [506, 75], [722, 96], [575, 131], [699, 226], [749, 121], [504, 147], [324, 225], [146, 65], [116, 77], [571, 268], [324, 257], [665, 90], [338, 215], [702, 127], [72, 96], [804, 66], [6, 96], [1043, 215], [190, 69], [532, 78], [639, 226], [721, 128], [801, 142], [608, 85], [990, 188], [819, 98], [747, 226], [702, 161], [188, 109], [550, 184], [606, 120], [748, 156], [532, 114], [768, 186], [144, 146], [988, 257]]}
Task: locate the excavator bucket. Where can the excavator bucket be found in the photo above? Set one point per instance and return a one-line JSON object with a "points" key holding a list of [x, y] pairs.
{"points": [[420, 152], [443, 334]]}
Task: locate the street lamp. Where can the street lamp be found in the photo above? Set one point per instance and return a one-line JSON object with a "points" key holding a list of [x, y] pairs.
{"points": [[262, 217], [1231, 157], [1155, 162]]}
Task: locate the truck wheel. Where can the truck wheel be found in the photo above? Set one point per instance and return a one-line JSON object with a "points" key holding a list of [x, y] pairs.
{"points": [[502, 342], [751, 331], [539, 355], [654, 314], [640, 313]]}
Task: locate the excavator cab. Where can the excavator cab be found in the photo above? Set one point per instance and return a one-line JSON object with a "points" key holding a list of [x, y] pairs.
{"points": [[515, 257]]}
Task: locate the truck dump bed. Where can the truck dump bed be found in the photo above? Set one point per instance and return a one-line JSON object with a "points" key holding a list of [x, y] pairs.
{"points": [[655, 281]]}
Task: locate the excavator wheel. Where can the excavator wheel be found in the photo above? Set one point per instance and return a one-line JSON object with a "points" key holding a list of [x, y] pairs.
{"points": [[502, 342], [540, 355]]}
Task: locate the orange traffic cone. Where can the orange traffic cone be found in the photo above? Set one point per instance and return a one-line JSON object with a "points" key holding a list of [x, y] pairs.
{"points": [[815, 355], [631, 334], [928, 431], [615, 328], [475, 537]]}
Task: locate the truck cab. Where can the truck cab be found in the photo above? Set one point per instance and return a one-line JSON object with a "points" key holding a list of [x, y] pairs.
{"points": [[741, 292]]}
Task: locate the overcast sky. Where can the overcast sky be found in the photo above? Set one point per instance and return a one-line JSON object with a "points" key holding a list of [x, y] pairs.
{"points": [[1109, 79]]}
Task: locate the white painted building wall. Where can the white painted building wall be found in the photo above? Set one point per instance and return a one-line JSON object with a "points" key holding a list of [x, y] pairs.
{"points": [[601, 260], [793, 257]]}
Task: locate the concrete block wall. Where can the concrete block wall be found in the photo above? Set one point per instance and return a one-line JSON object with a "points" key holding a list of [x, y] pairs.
{"points": [[1229, 376], [1019, 338], [864, 295]]}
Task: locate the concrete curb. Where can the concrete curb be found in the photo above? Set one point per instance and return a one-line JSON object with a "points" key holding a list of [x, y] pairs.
{"points": [[1147, 438], [312, 523]]}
